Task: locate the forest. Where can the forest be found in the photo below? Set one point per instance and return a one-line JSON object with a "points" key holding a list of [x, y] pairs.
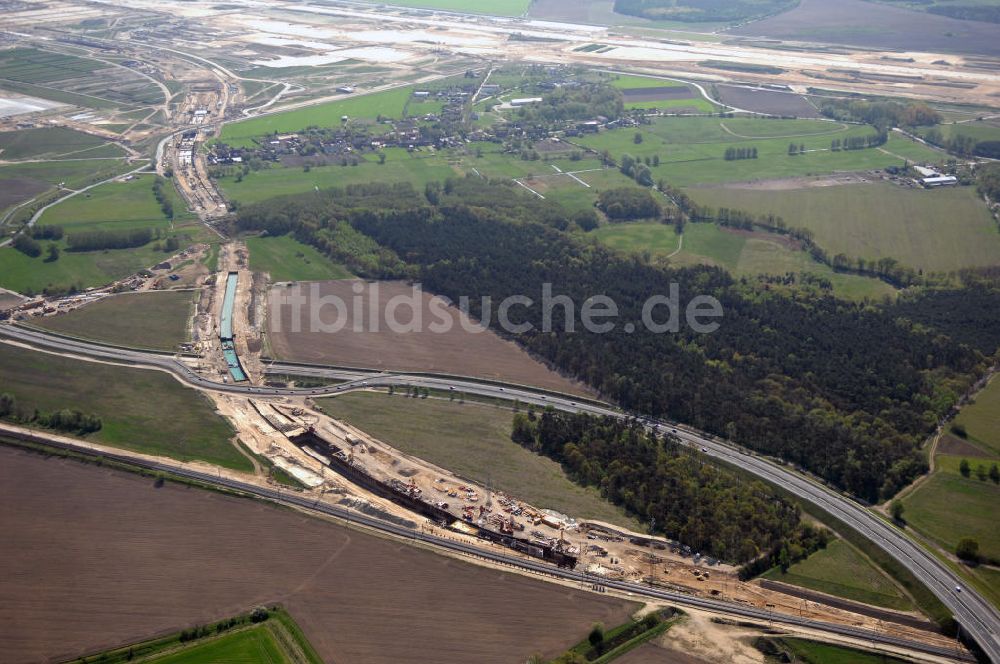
{"points": [[883, 115], [847, 390], [657, 480]]}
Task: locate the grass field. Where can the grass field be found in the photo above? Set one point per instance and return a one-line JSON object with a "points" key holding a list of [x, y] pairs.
{"points": [[933, 230], [419, 168], [115, 205], [389, 103], [249, 646], [692, 149], [239, 640], [287, 259], [156, 320], [982, 418], [632, 82], [472, 440], [24, 180], [948, 507], [741, 253], [491, 7], [840, 570], [400, 166], [130, 403], [814, 652], [73, 173], [979, 130], [50, 142]]}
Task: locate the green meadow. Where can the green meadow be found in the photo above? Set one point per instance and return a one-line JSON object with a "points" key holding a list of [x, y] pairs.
{"points": [[692, 150], [389, 103], [930, 229]]}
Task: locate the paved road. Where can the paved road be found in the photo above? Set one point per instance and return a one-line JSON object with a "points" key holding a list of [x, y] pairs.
{"points": [[977, 618], [539, 567]]}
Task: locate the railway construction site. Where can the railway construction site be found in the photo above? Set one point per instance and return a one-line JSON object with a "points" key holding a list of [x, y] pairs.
{"points": [[332, 462], [231, 104]]}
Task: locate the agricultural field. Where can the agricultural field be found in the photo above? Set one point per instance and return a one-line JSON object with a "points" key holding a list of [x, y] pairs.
{"points": [[658, 93], [22, 181], [491, 7], [761, 100], [287, 259], [743, 253], [840, 570], [273, 639], [130, 403], [981, 419], [54, 142], [978, 130], [115, 205], [389, 103], [948, 506], [75, 80], [400, 166], [814, 652], [159, 550], [875, 25], [153, 319], [692, 150], [933, 230], [481, 354], [112, 206], [472, 439]]}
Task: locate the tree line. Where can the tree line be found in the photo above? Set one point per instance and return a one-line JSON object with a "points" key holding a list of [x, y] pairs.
{"points": [[166, 205], [883, 115], [115, 239], [846, 390], [624, 203], [66, 419], [655, 479], [735, 154]]}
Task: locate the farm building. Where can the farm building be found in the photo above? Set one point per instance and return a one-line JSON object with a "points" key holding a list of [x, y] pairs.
{"points": [[525, 101], [939, 181]]}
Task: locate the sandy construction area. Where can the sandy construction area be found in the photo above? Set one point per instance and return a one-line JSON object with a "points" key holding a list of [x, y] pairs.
{"points": [[360, 343], [96, 558]]}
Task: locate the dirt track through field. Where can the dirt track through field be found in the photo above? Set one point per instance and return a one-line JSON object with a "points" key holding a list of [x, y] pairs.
{"points": [[96, 558]]}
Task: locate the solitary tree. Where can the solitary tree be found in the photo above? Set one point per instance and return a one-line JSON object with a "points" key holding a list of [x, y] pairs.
{"points": [[963, 468], [967, 549], [53, 253], [897, 511], [596, 637], [637, 139], [981, 472], [995, 474]]}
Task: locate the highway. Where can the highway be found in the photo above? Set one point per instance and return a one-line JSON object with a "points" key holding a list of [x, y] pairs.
{"points": [[977, 618], [547, 569]]}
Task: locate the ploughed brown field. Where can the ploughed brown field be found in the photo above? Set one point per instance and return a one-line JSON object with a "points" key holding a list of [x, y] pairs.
{"points": [[876, 25], [15, 190], [95, 558], [760, 100], [481, 354], [651, 653]]}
